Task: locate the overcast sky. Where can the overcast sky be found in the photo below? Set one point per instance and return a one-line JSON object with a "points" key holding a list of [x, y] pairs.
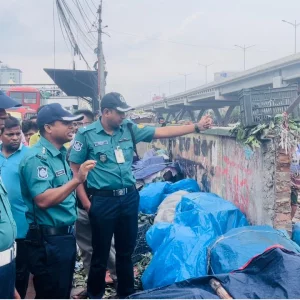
{"points": [[138, 56]]}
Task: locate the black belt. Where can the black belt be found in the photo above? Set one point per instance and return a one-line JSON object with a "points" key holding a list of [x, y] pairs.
{"points": [[111, 193], [63, 230]]}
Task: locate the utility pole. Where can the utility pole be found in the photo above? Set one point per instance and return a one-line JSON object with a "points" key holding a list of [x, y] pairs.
{"points": [[205, 66], [185, 76], [244, 48], [295, 25], [100, 59]]}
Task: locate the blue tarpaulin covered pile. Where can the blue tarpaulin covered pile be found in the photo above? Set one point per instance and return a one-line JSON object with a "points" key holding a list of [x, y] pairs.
{"points": [[235, 248], [180, 249], [271, 275]]}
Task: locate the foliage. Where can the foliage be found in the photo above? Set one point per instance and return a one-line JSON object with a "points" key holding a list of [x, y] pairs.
{"points": [[282, 127]]}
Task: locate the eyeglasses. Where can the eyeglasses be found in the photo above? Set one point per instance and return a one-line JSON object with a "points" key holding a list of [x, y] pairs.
{"points": [[80, 124]]}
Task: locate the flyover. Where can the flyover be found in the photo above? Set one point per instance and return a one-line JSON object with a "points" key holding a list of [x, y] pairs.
{"points": [[225, 92]]}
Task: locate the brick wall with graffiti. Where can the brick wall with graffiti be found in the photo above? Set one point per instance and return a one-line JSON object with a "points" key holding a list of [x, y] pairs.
{"points": [[229, 169]]}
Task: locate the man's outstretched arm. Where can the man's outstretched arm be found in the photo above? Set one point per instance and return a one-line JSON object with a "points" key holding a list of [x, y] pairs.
{"points": [[173, 131]]}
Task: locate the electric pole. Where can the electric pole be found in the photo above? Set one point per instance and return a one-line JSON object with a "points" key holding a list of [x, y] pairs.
{"points": [[295, 25], [101, 79], [205, 66], [185, 76], [244, 48]]}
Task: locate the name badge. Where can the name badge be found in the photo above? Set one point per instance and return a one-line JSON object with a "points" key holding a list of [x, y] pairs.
{"points": [[100, 143], [60, 172], [119, 156]]}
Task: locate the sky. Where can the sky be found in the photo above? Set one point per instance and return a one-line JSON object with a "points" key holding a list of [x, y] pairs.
{"points": [[150, 42]]}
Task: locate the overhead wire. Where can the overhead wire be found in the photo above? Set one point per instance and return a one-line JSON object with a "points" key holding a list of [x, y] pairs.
{"points": [[54, 40], [68, 29], [94, 4], [85, 38], [87, 3]]}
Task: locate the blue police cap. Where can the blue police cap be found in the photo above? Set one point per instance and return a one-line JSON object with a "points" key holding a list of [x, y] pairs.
{"points": [[7, 102], [55, 112]]}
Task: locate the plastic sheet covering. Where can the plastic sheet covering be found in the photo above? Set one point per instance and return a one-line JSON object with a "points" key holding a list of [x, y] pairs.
{"points": [[271, 275], [180, 249], [179, 253], [189, 185], [153, 194], [209, 211], [166, 210], [296, 233], [232, 250]]}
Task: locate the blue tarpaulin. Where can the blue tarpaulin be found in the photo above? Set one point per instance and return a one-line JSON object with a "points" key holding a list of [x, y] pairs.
{"points": [[232, 250], [271, 275], [153, 194], [180, 249]]}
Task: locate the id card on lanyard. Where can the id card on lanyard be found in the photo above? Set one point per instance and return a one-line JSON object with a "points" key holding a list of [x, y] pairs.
{"points": [[119, 155]]}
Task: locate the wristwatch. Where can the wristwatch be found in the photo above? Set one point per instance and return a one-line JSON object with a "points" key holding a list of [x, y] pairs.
{"points": [[197, 129]]}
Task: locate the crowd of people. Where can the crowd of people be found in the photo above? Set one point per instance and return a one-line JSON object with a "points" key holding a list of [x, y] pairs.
{"points": [[59, 170]]}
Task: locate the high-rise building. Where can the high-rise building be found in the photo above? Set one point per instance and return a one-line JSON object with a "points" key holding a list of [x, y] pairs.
{"points": [[10, 75]]}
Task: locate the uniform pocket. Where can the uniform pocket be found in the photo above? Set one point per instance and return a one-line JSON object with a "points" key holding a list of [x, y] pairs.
{"points": [[127, 148], [104, 154]]}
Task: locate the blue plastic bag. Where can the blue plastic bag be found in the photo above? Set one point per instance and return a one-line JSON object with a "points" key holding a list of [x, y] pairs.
{"points": [[180, 249], [235, 248], [153, 194]]}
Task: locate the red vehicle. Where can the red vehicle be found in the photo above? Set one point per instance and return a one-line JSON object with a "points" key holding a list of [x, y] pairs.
{"points": [[27, 96], [21, 113]]}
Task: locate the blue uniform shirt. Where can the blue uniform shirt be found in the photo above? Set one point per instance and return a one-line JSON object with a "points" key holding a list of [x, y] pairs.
{"points": [[9, 167]]}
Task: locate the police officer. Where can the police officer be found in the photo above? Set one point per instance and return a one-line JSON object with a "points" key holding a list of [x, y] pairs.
{"points": [[111, 187], [48, 191], [8, 229]]}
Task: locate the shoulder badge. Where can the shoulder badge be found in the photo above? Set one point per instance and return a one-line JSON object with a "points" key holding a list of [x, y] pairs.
{"points": [[77, 146], [42, 172], [141, 126]]}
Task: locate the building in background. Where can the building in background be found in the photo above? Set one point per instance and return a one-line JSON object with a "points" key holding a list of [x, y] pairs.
{"points": [[224, 74], [10, 75]]}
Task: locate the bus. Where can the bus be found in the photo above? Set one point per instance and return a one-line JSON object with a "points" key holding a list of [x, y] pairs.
{"points": [[27, 96], [21, 113]]}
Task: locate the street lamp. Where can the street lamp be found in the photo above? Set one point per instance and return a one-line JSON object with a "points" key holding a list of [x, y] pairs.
{"points": [[295, 25], [244, 48], [205, 66], [185, 76]]}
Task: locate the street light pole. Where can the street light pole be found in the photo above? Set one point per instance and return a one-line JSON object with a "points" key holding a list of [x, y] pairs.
{"points": [[295, 25], [244, 48], [205, 66], [185, 76]]}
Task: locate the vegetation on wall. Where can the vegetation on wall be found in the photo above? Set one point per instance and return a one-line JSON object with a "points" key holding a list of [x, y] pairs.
{"points": [[282, 126]]}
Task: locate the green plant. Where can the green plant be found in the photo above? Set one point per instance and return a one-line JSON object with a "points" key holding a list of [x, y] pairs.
{"points": [[282, 127]]}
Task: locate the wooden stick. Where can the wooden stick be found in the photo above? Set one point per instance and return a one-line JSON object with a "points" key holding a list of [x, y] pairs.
{"points": [[218, 288]]}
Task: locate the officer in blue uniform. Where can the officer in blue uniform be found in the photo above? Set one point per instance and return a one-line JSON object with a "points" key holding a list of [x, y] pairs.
{"points": [[48, 187], [113, 209], [8, 229]]}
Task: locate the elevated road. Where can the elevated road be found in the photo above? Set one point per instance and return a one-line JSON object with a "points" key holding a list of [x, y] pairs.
{"points": [[224, 93]]}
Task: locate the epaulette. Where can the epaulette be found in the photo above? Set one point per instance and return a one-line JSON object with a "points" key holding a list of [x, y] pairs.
{"points": [[87, 128], [42, 155]]}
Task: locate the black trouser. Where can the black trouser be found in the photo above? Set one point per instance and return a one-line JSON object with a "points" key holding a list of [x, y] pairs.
{"points": [[52, 265], [108, 216], [22, 270], [7, 280]]}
